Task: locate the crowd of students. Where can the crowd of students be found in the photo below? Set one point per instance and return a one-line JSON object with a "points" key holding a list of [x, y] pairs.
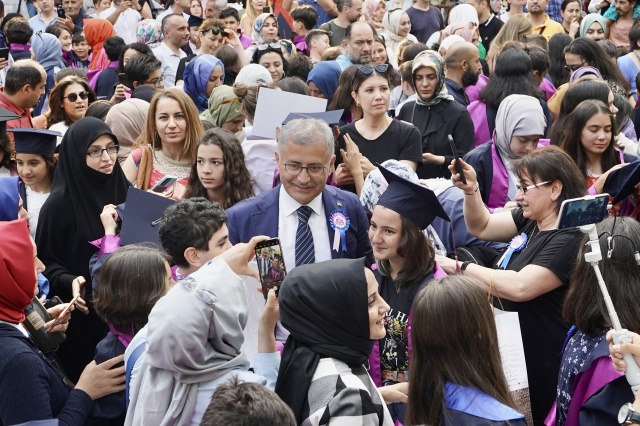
{"points": [[136, 172]]}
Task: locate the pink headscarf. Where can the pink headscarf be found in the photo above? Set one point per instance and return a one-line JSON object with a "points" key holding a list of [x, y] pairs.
{"points": [[369, 9], [466, 30]]}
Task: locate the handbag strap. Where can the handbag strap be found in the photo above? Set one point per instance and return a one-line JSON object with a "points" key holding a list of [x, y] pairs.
{"points": [[130, 364], [145, 167]]}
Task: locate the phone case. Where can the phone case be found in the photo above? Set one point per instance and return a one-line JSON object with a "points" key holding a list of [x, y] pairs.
{"points": [[35, 318], [268, 284]]}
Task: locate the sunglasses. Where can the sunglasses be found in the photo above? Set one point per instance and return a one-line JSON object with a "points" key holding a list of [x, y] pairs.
{"points": [[214, 31], [74, 96], [574, 68], [265, 46], [368, 69]]}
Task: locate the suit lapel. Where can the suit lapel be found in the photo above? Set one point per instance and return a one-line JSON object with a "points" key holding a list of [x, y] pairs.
{"points": [[265, 220]]}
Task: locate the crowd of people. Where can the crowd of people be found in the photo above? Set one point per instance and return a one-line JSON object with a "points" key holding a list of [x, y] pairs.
{"points": [[414, 189]]}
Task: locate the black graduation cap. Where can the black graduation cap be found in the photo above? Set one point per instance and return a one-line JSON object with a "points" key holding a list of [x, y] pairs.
{"points": [[415, 202], [35, 141], [195, 21], [330, 117], [621, 182], [6, 115], [142, 216]]}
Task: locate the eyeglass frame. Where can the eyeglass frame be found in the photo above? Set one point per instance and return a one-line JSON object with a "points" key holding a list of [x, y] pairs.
{"points": [[159, 84], [190, 284], [274, 45], [570, 67], [77, 95], [102, 151], [324, 168], [524, 189], [381, 69]]}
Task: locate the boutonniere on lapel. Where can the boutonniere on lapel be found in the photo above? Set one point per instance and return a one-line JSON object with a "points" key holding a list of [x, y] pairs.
{"points": [[339, 222]]}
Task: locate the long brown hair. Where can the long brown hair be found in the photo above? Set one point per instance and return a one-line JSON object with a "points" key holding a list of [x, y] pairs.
{"points": [[56, 114], [237, 181], [454, 341], [149, 135]]}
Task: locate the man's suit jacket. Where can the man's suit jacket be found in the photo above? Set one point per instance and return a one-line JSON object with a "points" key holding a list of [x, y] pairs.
{"points": [[259, 216]]}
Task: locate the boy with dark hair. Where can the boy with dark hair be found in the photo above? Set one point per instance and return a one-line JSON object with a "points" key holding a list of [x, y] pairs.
{"points": [[193, 232], [144, 70], [231, 20], [317, 42], [304, 19], [81, 50], [246, 404], [108, 78], [18, 36]]}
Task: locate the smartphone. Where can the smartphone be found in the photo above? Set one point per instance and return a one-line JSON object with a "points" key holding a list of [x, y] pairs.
{"points": [[122, 78], [266, 9], [54, 301], [457, 164], [36, 316], [164, 183], [61, 13], [271, 267], [64, 311], [4, 53], [582, 211]]}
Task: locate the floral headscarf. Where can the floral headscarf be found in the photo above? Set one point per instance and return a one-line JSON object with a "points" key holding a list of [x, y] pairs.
{"points": [[431, 59], [257, 26], [369, 9], [149, 32]]}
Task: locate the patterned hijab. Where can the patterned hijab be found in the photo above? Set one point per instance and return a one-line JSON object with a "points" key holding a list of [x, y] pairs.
{"points": [[258, 24], [518, 115], [369, 9], [223, 106], [431, 59], [149, 32]]}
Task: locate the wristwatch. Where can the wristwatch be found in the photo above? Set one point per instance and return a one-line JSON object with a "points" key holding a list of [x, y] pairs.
{"points": [[464, 265], [628, 415]]}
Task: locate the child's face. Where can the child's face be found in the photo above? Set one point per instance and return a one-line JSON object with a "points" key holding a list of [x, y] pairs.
{"points": [[81, 49]]}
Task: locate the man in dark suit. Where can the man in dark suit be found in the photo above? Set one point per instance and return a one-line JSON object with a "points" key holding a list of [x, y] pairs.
{"points": [[314, 222]]}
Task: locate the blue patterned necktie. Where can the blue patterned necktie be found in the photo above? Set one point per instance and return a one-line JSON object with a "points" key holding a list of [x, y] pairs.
{"points": [[305, 252]]}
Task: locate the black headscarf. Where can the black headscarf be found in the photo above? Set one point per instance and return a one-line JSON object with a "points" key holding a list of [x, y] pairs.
{"points": [[70, 217], [324, 307]]}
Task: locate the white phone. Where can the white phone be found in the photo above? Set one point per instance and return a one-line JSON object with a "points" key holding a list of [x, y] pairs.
{"points": [[583, 211], [164, 184]]}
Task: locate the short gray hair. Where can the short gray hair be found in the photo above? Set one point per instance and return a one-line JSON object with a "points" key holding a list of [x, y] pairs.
{"points": [[306, 131]]}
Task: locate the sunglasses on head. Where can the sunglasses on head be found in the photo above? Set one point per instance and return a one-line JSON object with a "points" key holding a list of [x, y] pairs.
{"points": [[265, 46], [368, 69], [214, 30], [74, 96]]}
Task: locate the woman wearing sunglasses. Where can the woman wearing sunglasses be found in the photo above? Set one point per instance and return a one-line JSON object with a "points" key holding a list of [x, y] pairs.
{"points": [[532, 275], [270, 56], [68, 102], [377, 136]]}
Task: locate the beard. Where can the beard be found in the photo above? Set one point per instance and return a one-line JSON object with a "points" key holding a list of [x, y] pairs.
{"points": [[469, 77]]}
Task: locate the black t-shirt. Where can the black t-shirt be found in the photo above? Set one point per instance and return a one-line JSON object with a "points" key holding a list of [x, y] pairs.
{"points": [[541, 323], [489, 30], [394, 347]]}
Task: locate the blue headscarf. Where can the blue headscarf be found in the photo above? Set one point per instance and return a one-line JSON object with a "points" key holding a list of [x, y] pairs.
{"points": [[47, 50], [325, 75], [196, 77], [9, 196]]}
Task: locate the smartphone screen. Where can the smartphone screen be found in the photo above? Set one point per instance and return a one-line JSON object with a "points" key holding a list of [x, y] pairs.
{"points": [[164, 184], [61, 13], [4, 52], [271, 267], [122, 78], [583, 211], [457, 158]]}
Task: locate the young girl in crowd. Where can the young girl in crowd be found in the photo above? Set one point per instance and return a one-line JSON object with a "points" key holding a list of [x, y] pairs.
{"points": [[167, 145], [219, 173], [449, 384], [36, 166], [68, 103], [88, 177], [590, 392], [63, 34]]}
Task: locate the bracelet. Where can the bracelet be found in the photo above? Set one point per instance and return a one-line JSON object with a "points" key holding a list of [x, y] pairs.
{"points": [[476, 190], [464, 265]]}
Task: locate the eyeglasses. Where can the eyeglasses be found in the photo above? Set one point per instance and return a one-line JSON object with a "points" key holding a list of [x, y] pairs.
{"points": [[368, 69], [214, 30], [574, 68], [74, 96], [95, 153], [524, 189], [265, 46], [205, 295], [158, 83], [294, 169]]}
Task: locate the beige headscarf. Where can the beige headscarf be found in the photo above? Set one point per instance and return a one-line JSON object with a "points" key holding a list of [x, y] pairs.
{"points": [[223, 106], [126, 121]]}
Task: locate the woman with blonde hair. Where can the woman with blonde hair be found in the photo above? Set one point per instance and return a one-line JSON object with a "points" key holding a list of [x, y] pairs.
{"points": [[514, 30], [254, 9], [167, 145]]}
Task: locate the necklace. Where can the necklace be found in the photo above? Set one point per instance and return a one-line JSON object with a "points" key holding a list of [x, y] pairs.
{"points": [[535, 233]]}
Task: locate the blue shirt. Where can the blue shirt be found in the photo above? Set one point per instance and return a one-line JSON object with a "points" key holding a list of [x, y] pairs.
{"points": [[553, 10], [323, 15], [344, 62], [37, 24]]}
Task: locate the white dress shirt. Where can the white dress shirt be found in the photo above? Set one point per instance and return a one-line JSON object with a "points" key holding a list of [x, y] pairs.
{"points": [[288, 225], [127, 24], [170, 61]]}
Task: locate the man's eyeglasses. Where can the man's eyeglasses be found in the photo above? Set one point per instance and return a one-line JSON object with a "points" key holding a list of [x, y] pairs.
{"points": [[95, 153], [205, 295], [368, 69], [294, 169], [574, 68], [524, 189], [158, 83], [74, 96], [265, 46]]}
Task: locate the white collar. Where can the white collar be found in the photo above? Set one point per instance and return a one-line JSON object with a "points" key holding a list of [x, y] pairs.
{"points": [[18, 326], [290, 206]]}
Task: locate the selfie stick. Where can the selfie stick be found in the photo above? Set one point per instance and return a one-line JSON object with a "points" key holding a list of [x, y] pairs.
{"points": [[620, 335]]}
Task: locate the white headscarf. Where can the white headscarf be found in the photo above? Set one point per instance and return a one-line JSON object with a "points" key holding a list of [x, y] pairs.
{"points": [[189, 342], [518, 115], [251, 73], [464, 13]]}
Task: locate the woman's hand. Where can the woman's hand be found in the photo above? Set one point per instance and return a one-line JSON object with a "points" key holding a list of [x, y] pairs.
{"points": [[77, 288], [62, 321], [395, 393], [99, 380], [271, 312], [351, 155], [574, 27], [599, 183], [469, 174], [109, 218], [617, 350], [119, 94], [429, 158], [450, 266], [342, 175], [239, 256], [232, 38]]}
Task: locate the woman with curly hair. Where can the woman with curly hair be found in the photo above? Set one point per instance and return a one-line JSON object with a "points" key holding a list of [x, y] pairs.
{"points": [[219, 173], [68, 103]]}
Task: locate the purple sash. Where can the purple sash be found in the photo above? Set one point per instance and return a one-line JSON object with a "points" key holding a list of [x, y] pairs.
{"points": [[499, 183]]}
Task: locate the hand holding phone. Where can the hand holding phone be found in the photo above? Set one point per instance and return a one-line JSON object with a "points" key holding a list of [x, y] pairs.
{"points": [[61, 13], [271, 267], [63, 314], [457, 163]]}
